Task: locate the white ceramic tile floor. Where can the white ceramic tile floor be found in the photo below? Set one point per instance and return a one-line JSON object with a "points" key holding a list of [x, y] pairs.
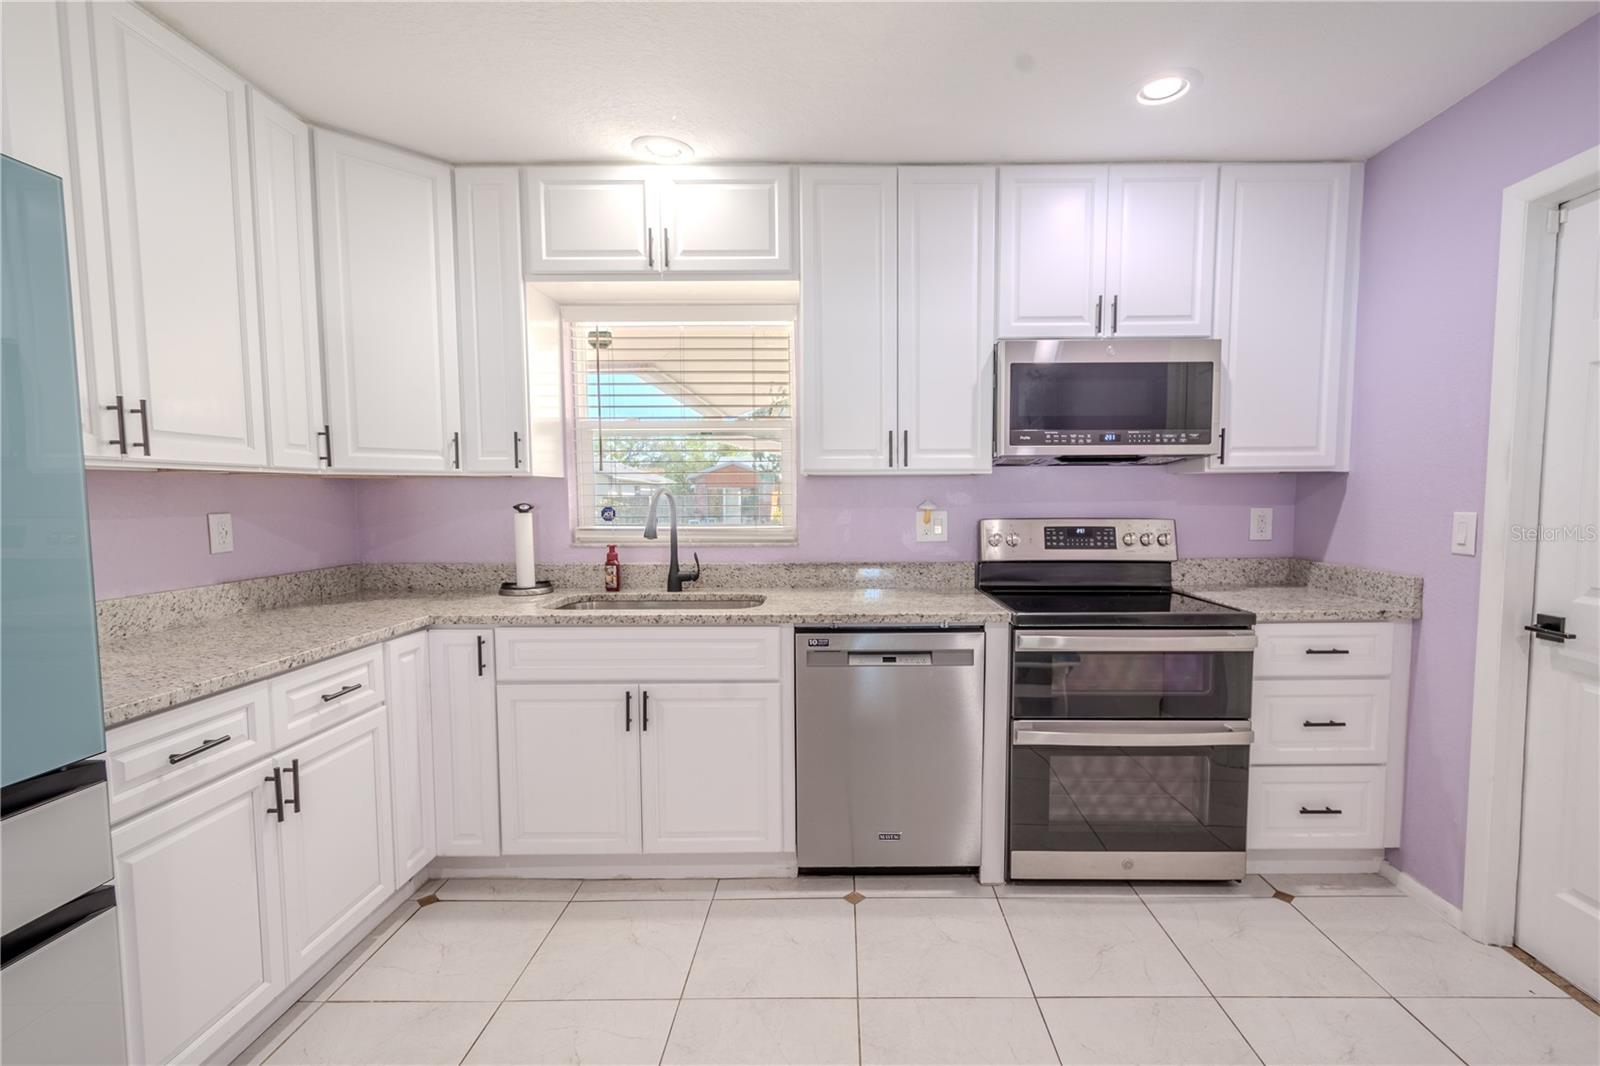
{"points": [[773, 971]]}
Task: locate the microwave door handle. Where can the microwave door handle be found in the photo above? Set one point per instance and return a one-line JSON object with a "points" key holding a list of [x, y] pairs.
{"points": [[1050, 735]]}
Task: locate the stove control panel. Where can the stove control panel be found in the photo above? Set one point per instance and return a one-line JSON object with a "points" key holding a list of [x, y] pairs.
{"points": [[1068, 539]]}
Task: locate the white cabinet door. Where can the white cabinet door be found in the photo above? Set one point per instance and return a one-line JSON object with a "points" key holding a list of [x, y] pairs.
{"points": [[466, 767], [590, 220], [386, 249], [569, 769], [338, 847], [199, 909], [849, 318], [712, 767], [726, 219], [946, 324], [291, 344], [1052, 251], [1161, 241], [1287, 248], [494, 351], [176, 148], [410, 753]]}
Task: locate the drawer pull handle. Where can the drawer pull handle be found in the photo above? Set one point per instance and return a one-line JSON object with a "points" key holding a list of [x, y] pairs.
{"points": [[329, 697], [1329, 724], [1327, 651], [1324, 810], [294, 801], [203, 746]]}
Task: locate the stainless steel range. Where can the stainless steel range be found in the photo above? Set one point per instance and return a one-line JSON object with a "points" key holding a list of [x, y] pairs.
{"points": [[1130, 704]]}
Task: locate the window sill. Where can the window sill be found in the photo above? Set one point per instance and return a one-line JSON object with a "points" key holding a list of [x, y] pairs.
{"points": [[776, 538]]}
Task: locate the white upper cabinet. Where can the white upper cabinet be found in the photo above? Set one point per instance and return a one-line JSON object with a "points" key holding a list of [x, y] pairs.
{"points": [[653, 220], [175, 138], [849, 317], [1161, 250], [1098, 251], [291, 345], [387, 256], [494, 350], [946, 319], [1285, 290], [1052, 268]]}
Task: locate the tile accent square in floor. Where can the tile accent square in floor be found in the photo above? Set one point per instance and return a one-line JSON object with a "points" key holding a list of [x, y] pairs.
{"points": [[517, 888], [1097, 947], [956, 886], [453, 951], [614, 1032], [936, 947], [1333, 884], [643, 888], [384, 1034], [1487, 1032], [1322, 1032], [632, 949], [758, 1032], [1144, 1032], [785, 887], [914, 1032], [1259, 947], [775, 948], [1413, 952]]}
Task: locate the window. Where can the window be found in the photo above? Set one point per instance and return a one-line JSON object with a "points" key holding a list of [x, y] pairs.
{"points": [[699, 408]]}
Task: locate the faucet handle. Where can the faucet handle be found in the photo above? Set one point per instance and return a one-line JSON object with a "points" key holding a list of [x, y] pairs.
{"points": [[696, 575]]}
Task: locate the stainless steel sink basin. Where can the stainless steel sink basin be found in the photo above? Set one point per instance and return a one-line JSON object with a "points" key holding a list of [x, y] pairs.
{"points": [[601, 603]]}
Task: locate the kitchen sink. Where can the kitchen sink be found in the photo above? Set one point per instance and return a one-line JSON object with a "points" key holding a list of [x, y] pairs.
{"points": [[604, 603]]}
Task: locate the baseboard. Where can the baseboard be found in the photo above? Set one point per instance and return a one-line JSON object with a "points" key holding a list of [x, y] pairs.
{"points": [[1339, 861], [1422, 893], [601, 867]]}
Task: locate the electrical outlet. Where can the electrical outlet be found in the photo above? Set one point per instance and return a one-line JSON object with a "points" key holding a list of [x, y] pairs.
{"points": [[932, 525], [1260, 523], [1464, 533], [220, 525]]}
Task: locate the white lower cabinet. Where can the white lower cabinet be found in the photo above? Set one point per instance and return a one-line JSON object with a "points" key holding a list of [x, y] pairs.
{"points": [[338, 854], [201, 917], [1298, 807], [410, 753], [465, 764]]}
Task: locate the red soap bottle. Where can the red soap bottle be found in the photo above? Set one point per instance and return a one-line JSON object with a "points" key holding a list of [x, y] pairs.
{"points": [[613, 569]]}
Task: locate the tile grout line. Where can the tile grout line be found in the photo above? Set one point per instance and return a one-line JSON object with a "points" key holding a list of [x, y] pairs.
{"points": [[716, 884], [1037, 1006], [512, 987], [855, 941], [1196, 971]]}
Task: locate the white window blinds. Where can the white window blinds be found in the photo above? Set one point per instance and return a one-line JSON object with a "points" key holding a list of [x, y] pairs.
{"points": [[701, 409]]}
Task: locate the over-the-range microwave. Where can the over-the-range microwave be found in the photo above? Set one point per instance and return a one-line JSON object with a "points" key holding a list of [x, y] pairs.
{"points": [[1144, 400]]}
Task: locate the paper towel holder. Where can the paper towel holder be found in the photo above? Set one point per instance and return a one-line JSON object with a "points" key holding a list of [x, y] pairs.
{"points": [[537, 588]]}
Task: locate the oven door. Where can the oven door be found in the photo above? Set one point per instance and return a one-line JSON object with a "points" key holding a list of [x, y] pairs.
{"points": [[1131, 674], [1129, 800]]}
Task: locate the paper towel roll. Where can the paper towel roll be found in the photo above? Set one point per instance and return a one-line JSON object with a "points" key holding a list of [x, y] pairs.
{"points": [[522, 533]]}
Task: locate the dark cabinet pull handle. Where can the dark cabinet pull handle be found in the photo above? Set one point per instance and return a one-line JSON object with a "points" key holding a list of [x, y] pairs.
{"points": [[516, 450], [294, 768], [1327, 651], [650, 248], [1099, 306], [122, 427], [143, 411], [204, 745], [666, 249], [1324, 810], [891, 449], [455, 449], [627, 711], [1222, 446], [1551, 627], [276, 777], [329, 697], [644, 711], [482, 663], [1329, 724], [1114, 315], [905, 447], [325, 435]]}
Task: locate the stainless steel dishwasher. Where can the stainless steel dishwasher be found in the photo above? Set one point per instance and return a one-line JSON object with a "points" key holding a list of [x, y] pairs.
{"points": [[889, 746]]}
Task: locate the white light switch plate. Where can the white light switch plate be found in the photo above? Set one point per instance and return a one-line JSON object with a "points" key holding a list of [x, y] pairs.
{"points": [[937, 527], [221, 527], [1464, 533], [1260, 523]]}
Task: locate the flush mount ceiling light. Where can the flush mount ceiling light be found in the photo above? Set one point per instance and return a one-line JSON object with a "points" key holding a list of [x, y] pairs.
{"points": [[1166, 87], [662, 149]]}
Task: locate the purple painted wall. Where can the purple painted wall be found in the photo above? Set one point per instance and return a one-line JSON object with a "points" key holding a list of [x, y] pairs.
{"points": [[1430, 242], [147, 529]]}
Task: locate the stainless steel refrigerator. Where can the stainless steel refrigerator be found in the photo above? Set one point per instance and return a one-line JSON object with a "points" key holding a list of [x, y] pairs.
{"points": [[60, 979]]}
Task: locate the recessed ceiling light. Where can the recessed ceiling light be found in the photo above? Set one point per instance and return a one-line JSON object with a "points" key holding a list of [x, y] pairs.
{"points": [[1165, 88], [662, 149]]}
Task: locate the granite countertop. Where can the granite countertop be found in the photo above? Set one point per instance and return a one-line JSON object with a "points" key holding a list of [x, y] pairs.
{"points": [[151, 672], [1300, 603]]}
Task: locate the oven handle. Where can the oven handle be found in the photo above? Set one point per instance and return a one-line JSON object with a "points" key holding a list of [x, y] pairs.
{"points": [[1164, 734], [1147, 640]]}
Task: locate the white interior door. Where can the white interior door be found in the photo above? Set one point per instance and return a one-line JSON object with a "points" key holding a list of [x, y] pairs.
{"points": [[1558, 888]]}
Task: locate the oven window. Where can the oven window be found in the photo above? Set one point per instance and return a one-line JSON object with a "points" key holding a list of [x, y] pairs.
{"points": [[1155, 684], [1129, 799], [1090, 396]]}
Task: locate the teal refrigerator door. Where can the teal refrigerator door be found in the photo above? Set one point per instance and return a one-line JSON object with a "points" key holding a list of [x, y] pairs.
{"points": [[50, 713]]}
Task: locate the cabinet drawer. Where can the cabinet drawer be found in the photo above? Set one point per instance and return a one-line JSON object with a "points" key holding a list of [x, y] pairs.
{"points": [[310, 700], [150, 761], [1316, 807], [1317, 720], [1317, 649], [638, 653]]}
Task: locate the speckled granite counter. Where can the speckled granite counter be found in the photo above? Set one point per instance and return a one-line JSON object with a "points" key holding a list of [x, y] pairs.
{"points": [[1299, 603], [1285, 589], [154, 671]]}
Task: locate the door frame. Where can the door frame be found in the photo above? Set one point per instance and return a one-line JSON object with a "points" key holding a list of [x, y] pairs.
{"points": [[1514, 462]]}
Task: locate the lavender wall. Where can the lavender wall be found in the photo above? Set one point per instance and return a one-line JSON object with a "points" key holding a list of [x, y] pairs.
{"points": [[1430, 241], [842, 519], [147, 529]]}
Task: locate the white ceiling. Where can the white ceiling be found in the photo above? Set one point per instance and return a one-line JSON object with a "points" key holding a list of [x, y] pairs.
{"points": [[879, 82]]}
